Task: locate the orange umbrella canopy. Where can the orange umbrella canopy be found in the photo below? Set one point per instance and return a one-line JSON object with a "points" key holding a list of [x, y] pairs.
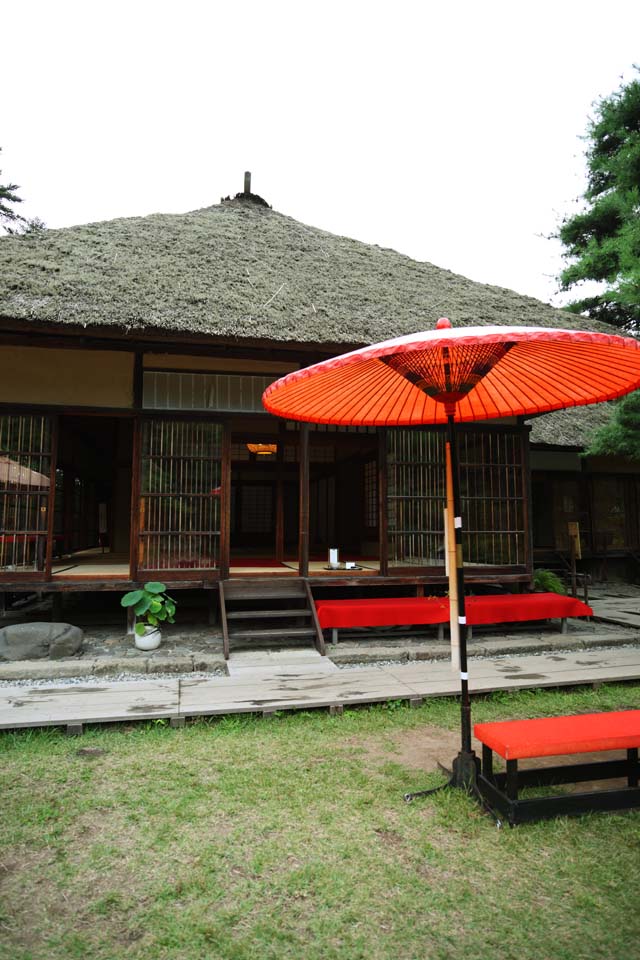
{"points": [[474, 373]]}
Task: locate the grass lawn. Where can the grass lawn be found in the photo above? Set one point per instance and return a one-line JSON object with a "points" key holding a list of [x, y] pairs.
{"points": [[245, 838]]}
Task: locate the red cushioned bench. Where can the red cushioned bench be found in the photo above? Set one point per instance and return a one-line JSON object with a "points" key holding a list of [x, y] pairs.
{"points": [[557, 736], [405, 611]]}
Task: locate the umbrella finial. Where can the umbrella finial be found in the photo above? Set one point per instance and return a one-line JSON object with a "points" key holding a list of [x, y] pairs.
{"points": [[443, 323]]}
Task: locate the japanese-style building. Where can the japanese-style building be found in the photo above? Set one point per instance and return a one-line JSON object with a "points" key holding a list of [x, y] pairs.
{"points": [[134, 446]]}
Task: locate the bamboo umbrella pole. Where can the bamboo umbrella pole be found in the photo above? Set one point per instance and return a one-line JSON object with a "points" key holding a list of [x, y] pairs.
{"points": [[452, 572], [465, 766]]}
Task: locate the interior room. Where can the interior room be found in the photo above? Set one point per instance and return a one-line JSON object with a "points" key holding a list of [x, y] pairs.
{"points": [[93, 496]]}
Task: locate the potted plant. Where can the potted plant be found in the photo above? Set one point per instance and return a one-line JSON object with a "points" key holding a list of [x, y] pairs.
{"points": [[151, 606], [547, 581]]}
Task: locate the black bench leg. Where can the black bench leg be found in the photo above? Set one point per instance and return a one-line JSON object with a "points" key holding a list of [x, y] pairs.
{"points": [[632, 762], [512, 779], [487, 762]]}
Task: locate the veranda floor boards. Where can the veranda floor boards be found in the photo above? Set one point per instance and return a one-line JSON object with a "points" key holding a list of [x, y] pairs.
{"points": [[36, 706]]}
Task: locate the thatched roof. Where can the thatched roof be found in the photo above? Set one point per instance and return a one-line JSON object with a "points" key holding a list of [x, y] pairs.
{"points": [[241, 270], [573, 427]]}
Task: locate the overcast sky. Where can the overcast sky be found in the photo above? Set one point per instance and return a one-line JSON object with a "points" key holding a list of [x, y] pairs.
{"points": [[450, 132]]}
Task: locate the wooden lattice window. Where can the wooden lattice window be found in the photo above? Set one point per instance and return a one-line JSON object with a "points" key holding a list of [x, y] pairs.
{"points": [[416, 497], [25, 477], [180, 495], [492, 490], [371, 494], [174, 390]]}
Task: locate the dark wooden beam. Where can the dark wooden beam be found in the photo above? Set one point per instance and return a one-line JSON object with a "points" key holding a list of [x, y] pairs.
{"points": [[279, 544], [383, 501], [303, 531], [225, 502], [51, 504], [54, 408], [138, 379], [136, 481], [153, 340], [527, 499]]}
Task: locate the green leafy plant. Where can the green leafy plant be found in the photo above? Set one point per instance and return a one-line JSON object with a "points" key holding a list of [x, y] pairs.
{"points": [[548, 581], [151, 606]]}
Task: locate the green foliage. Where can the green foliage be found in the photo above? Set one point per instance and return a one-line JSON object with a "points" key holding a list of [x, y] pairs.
{"points": [[9, 197], [548, 581], [621, 436], [10, 219], [602, 241], [151, 606]]}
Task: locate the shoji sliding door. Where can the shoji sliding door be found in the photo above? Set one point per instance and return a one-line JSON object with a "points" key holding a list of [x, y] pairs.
{"points": [[493, 489], [26, 446], [180, 495]]}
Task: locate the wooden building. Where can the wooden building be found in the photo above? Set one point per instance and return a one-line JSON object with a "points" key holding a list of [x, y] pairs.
{"points": [[133, 443], [599, 494]]}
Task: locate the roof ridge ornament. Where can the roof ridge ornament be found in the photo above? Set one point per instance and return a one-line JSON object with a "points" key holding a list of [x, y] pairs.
{"points": [[246, 196]]}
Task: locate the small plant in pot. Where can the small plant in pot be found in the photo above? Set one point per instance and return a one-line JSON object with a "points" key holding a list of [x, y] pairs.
{"points": [[546, 581], [152, 607]]}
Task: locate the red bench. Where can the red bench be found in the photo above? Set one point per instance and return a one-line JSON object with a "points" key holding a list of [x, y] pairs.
{"points": [[406, 611], [555, 736]]}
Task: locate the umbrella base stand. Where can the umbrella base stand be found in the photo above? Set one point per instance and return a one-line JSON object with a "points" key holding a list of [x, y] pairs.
{"points": [[463, 776], [466, 767]]}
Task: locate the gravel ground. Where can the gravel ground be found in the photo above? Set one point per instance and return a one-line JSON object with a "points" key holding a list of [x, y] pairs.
{"points": [[93, 681]]}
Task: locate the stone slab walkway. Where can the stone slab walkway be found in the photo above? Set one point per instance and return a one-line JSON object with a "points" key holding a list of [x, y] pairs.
{"points": [[300, 684]]}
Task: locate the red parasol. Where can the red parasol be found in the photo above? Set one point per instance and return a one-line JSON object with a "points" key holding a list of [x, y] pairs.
{"points": [[446, 375]]}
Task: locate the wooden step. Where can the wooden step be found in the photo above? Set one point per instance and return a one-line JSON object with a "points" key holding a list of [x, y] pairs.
{"points": [[258, 614], [259, 600], [263, 589], [272, 633]]}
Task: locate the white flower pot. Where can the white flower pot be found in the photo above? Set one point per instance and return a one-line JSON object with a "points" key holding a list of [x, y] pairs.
{"points": [[150, 639]]}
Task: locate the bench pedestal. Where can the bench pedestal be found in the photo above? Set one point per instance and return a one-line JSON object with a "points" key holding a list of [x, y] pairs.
{"points": [[500, 790]]}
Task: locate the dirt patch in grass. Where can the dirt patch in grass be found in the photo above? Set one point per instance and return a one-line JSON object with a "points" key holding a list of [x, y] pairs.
{"points": [[423, 748], [419, 749]]}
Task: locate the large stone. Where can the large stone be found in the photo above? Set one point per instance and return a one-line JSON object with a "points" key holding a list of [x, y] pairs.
{"points": [[34, 641]]}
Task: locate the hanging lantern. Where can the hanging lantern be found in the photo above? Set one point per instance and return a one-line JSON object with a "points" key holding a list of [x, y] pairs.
{"points": [[262, 449]]}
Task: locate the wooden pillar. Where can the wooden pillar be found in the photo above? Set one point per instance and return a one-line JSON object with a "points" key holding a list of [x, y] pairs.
{"points": [[279, 545], [136, 521], [303, 529], [51, 500], [138, 378], [67, 510], [527, 499], [225, 502], [136, 469], [383, 501]]}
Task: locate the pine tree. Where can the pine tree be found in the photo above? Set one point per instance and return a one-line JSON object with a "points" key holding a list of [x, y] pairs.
{"points": [[8, 197], [602, 241], [621, 436]]}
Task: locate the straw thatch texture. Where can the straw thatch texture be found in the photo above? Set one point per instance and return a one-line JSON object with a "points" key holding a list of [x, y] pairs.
{"points": [[573, 427], [243, 271]]}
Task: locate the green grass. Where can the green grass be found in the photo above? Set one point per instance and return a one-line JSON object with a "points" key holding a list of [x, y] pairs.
{"points": [[246, 838]]}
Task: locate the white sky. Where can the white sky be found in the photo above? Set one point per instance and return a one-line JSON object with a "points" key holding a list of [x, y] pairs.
{"points": [[449, 132]]}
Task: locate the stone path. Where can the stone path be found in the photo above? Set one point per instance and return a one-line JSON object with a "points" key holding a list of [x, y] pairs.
{"points": [[300, 680], [621, 607]]}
